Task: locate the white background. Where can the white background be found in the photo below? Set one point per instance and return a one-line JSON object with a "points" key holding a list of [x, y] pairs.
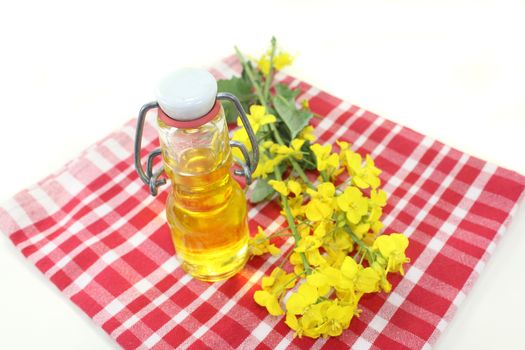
{"points": [[72, 72]]}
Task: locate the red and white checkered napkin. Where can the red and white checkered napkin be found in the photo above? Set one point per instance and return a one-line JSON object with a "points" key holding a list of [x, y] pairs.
{"points": [[97, 234]]}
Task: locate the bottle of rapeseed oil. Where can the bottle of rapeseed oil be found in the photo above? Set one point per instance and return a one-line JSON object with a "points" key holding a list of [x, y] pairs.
{"points": [[206, 208]]}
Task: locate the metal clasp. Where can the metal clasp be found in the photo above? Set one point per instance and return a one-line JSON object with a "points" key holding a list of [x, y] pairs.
{"points": [[152, 178], [149, 177], [250, 164]]}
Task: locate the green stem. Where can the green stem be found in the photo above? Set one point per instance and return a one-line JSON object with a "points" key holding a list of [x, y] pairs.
{"points": [[278, 232], [324, 176], [283, 288], [357, 253], [276, 134], [362, 258], [280, 235], [301, 174], [360, 243], [295, 165], [285, 259], [251, 76], [269, 78], [308, 162], [305, 222], [291, 222]]}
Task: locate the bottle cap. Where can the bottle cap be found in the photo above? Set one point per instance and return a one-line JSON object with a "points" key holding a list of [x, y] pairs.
{"points": [[187, 94]]}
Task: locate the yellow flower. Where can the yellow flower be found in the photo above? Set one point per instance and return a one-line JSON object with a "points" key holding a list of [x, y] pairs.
{"points": [[292, 322], [346, 285], [392, 247], [282, 59], [304, 230], [377, 198], [360, 229], [269, 301], [294, 187], [326, 318], [335, 257], [305, 104], [278, 281], [338, 319], [296, 205], [325, 191], [313, 322], [367, 280], [285, 188], [266, 164], [317, 210], [355, 278], [273, 286], [349, 268], [321, 206], [341, 241], [307, 133], [320, 281], [309, 245], [260, 244], [324, 279], [369, 238], [293, 151], [279, 186], [368, 175], [353, 204], [241, 136], [373, 219], [363, 175], [315, 258], [264, 167], [258, 117], [305, 296], [297, 262], [343, 146], [383, 283], [323, 227], [264, 64], [375, 214], [271, 164], [325, 159]]}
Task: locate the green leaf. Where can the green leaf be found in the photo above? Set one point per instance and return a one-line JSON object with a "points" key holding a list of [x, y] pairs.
{"points": [[242, 89], [284, 91], [261, 191], [295, 119]]}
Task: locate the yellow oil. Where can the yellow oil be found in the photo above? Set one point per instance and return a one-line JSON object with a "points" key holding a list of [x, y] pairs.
{"points": [[207, 213]]}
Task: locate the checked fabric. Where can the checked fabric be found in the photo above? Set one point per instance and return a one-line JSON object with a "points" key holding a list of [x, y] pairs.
{"points": [[95, 232]]}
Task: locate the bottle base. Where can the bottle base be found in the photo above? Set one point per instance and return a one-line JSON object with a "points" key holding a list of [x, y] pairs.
{"points": [[217, 272]]}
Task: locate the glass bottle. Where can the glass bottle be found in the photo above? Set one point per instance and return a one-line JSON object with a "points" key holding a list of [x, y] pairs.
{"points": [[206, 209]]}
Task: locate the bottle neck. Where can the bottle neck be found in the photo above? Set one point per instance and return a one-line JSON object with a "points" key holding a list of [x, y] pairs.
{"points": [[192, 156], [198, 162]]}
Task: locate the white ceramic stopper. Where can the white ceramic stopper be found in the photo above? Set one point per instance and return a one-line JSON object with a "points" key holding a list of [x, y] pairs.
{"points": [[187, 94]]}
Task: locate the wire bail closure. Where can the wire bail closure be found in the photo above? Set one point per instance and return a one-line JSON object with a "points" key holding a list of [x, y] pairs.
{"points": [[152, 177]]}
